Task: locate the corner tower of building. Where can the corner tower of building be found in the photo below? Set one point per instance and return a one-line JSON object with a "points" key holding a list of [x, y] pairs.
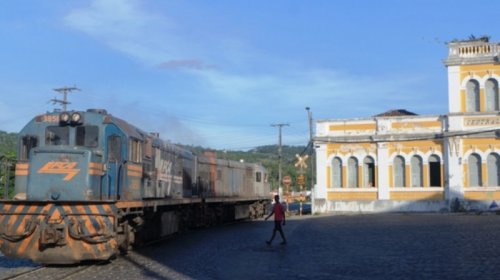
{"points": [[473, 75]]}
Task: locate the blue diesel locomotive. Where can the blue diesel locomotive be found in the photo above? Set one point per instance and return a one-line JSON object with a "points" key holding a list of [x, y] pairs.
{"points": [[89, 185]]}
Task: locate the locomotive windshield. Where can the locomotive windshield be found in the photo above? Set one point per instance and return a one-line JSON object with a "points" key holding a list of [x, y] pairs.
{"points": [[87, 136], [57, 135]]}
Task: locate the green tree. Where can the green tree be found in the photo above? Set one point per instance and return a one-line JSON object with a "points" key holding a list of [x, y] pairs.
{"points": [[7, 162]]}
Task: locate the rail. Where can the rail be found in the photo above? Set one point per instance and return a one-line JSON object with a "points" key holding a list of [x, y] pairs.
{"points": [[53, 272]]}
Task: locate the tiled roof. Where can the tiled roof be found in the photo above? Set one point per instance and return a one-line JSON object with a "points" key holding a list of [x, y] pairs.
{"points": [[395, 113]]}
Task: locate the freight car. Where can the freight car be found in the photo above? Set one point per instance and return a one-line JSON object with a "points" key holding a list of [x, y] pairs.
{"points": [[89, 185]]}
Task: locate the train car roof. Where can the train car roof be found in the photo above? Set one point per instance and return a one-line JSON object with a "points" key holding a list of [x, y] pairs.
{"points": [[130, 130], [140, 134]]}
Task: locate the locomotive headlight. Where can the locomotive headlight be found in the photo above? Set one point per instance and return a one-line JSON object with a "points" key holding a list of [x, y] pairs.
{"points": [[64, 117], [76, 117]]}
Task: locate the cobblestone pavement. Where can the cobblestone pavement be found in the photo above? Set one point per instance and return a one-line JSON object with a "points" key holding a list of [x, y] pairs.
{"points": [[376, 246]]}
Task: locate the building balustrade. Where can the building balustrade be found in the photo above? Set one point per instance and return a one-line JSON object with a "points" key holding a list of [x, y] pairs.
{"points": [[475, 49]]}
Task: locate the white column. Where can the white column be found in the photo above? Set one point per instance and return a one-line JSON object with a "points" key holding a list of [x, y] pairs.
{"points": [[453, 169], [383, 171], [321, 165]]}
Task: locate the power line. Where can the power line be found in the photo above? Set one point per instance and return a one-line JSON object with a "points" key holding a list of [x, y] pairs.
{"points": [[64, 91]]}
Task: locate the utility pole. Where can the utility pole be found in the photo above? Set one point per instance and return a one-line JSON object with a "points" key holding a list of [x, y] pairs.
{"points": [[64, 91], [309, 117], [280, 188]]}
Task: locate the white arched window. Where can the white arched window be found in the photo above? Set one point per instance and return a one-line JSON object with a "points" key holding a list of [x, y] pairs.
{"points": [[416, 171], [399, 171], [336, 173], [472, 96], [474, 170], [368, 172], [493, 170], [491, 90], [352, 172]]}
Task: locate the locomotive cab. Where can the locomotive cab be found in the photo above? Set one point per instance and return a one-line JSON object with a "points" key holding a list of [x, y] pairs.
{"points": [[60, 158]]}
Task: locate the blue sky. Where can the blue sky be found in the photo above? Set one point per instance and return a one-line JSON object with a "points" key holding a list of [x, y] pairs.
{"points": [[219, 73]]}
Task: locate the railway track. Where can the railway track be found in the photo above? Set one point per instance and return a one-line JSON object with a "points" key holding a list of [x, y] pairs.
{"points": [[51, 272], [26, 273], [27, 270]]}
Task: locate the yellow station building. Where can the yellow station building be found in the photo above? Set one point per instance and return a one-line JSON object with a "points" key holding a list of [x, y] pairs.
{"points": [[400, 161]]}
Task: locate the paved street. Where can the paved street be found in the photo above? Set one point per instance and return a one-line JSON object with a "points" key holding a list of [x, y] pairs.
{"points": [[378, 246]]}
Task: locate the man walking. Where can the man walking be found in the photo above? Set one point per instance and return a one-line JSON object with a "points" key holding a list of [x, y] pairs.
{"points": [[279, 218]]}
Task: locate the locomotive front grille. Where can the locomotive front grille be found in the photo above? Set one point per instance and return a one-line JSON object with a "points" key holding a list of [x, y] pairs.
{"points": [[58, 233]]}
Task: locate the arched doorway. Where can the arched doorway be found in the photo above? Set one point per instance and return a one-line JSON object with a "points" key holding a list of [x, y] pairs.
{"points": [[434, 171]]}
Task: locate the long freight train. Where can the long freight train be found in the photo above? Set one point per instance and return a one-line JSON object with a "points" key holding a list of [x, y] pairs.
{"points": [[89, 185]]}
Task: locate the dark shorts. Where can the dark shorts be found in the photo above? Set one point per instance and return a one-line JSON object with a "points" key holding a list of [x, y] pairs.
{"points": [[277, 225]]}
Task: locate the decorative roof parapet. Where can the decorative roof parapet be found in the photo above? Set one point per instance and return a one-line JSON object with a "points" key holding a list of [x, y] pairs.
{"points": [[472, 51]]}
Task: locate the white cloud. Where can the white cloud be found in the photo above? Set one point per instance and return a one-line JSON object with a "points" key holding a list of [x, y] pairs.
{"points": [[238, 93], [154, 40], [125, 26]]}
